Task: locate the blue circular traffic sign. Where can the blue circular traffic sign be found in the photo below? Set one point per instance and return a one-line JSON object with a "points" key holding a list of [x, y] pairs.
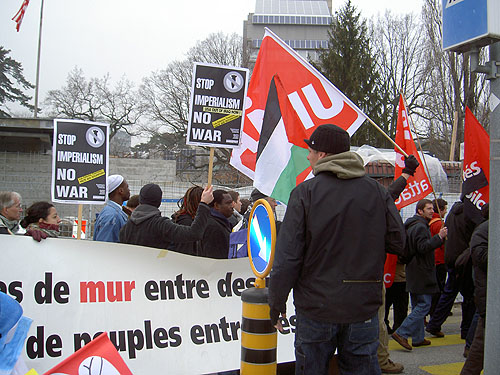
{"points": [[261, 238]]}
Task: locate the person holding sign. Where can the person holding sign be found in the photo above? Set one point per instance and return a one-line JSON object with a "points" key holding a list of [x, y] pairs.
{"points": [[112, 218], [331, 251], [146, 226]]}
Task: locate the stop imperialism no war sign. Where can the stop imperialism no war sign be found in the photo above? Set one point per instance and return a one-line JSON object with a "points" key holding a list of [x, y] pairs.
{"points": [[161, 309]]}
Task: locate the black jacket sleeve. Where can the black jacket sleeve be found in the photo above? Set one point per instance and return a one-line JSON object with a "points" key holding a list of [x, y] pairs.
{"points": [[289, 253], [397, 187], [395, 230], [422, 240], [181, 233], [479, 246]]}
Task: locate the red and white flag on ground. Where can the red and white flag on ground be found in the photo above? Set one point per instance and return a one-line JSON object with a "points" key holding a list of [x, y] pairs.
{"points": [[418, 186], [97, 357], [18, 18], [315, 99], [476, 167]]}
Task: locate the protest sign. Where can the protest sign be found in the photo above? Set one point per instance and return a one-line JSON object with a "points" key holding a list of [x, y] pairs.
{"points": [[217, 105], [79, 162]]}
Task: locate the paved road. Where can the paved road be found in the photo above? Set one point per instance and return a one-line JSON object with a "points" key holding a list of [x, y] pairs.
{"points": [[443, 357]]}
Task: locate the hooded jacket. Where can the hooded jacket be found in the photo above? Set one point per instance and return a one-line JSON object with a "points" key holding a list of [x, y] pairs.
{"points": [[421, 270], [332, 243], [460, 230], [146, 227]]}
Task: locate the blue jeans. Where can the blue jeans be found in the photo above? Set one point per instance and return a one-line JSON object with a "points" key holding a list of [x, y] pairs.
{"points": [[316, 342], [413, 325]]}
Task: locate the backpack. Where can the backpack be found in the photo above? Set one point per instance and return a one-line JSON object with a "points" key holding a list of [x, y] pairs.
{"points": [[409, 253]]}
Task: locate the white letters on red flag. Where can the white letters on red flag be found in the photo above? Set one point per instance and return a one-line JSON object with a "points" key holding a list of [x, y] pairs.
{"points": [[476, 166], [315, 100], [18, 18], [97, 357], [418, 186]]}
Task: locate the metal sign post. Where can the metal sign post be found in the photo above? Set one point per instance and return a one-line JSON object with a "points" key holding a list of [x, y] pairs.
{"points": [[258, 336]]}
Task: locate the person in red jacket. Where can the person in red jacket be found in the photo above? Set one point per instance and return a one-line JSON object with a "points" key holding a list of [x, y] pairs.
{"points": [[435, 226]]}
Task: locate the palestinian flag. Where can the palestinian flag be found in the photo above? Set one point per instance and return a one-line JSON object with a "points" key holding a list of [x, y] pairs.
{"points": [[314, 99], [476, 167], [280, 164]]}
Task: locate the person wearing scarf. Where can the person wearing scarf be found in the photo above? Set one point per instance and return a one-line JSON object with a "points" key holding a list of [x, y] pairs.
{"points": [[41, 221], [10, 212]]}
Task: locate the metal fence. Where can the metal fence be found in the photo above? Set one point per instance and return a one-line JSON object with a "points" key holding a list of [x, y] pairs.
{"points": [[25, 174]]}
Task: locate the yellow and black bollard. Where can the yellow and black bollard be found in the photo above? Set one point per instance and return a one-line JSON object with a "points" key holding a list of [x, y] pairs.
{"points": [[258, 336]]}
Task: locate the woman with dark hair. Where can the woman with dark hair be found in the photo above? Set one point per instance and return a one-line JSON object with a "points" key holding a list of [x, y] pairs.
{"points": [[188, 206], [41, 221]]}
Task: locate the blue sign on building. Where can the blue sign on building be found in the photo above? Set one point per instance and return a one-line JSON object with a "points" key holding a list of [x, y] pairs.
{"points": [[464, 21]]}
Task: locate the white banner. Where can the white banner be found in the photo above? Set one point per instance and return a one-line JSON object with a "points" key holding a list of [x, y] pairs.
{"points": [[162, 309]]}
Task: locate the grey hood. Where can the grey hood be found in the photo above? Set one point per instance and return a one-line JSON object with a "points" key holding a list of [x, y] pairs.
{"points": [[144, 212], [345, 165]]}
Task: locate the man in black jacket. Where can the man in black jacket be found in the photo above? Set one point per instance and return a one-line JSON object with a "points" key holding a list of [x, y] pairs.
{"points": [[146, 226], [331, 251], [421, 280], [479, 254], [460, 231], [215, 242]]}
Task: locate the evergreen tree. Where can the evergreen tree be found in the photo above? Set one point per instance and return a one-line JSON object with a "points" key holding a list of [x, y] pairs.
{"points": [[350, 65], [11, 74]]}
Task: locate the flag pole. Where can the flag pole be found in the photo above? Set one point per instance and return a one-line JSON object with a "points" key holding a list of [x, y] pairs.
{"points": [[210, 166], [37, 82], [385, 135], [423, 156], [454, 136]]}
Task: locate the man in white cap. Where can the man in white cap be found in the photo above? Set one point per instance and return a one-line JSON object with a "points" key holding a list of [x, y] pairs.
{"points": [[112, 218]]}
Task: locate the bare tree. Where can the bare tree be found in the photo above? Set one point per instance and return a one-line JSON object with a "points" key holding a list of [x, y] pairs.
{"points": [[165, 94], [398, 41], [450, 87], [96, 100]]}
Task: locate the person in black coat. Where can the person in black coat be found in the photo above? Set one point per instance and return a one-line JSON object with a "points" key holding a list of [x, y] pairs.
{"points": [[460, 229], [479, 254], [331, 251], [146, 226], [215, 242], [421, 280]]}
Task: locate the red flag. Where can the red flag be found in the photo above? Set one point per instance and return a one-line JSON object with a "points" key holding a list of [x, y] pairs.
{"points": [[97, 357], [18, 18], [418, 186], [476, 165], [315, 100], [390, 269]]}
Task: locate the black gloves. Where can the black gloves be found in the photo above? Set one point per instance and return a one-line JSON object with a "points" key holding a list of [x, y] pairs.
{"points": [[37, 235], [411, 164]]}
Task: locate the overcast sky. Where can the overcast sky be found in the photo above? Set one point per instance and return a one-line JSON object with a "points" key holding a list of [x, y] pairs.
{"points": [[125, 37]]}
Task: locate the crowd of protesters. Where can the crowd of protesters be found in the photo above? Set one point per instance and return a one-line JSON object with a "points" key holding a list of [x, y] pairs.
{"points": [[435, 262]]}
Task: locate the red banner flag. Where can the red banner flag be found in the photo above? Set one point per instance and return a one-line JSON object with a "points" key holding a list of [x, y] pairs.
{"points": [[476, 166], [315, 100], [418, 186], [18, 18], [97, 357]]}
